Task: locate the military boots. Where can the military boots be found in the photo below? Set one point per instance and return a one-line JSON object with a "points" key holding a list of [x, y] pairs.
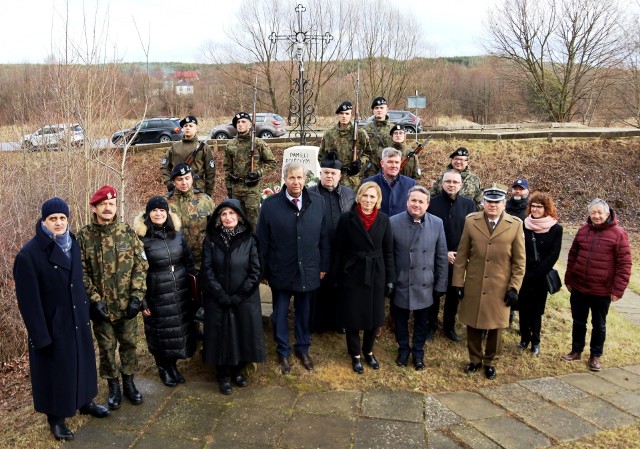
{"points": [[115, 395], [129, 389]]}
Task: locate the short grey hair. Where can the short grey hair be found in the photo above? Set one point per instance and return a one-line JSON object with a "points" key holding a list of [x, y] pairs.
{"points": [[391, 152], [598, 202], [418, 188], [291, 166]]}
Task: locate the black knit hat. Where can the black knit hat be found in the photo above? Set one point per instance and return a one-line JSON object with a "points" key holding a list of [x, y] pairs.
{"points": [[55, 205], [157, 202]]}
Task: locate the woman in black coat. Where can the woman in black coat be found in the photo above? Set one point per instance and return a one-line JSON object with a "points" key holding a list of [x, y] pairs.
{"points": [[230, 274], [55, 309], [540, 227], [365, 273], [168, 315]]}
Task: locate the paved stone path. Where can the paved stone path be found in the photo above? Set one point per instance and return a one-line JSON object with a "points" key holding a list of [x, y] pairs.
{"points": [[526, 414]]}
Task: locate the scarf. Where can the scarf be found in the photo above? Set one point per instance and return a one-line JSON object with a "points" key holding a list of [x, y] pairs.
{"points": [[367, 220], [63, 240], [228, 234], [539, 225]]}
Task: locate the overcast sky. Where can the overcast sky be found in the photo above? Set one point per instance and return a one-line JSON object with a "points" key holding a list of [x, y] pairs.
{"points": [[177, 30]]}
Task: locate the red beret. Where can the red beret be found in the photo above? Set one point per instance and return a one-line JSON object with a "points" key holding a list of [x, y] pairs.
{"points": [[103, 193]]}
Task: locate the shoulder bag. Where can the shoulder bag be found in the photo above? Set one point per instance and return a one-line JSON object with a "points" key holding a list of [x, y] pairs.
{"points": [[552, 278]]}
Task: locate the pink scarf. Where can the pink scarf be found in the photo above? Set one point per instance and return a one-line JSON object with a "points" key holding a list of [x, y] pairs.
{"points": [[539, 225]]}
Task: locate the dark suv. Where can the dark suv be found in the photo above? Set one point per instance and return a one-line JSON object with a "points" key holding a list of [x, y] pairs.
{"points": [[268, 125], [409, 121], [151, 130]]}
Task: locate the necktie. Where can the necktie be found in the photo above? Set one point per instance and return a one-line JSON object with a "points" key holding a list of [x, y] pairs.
{"points": [[295, 202], [493, 224]]}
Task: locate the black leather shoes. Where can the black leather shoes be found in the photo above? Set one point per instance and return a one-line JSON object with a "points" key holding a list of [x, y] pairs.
{"points": [[95, 410], [61, 432], [130, 391], [371, 361], [356, 364], [418, 363], [225, 386], [306, 360], [489, 372], [472, 367], [115, 394], [535, 349], [173, 370], [522, 345], [401, 360], [166, 377], [285, 365], [451, 335], [240, 380]]}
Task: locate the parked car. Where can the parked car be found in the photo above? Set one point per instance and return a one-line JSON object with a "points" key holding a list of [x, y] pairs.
{"points": [[151, 130], [409, 121], [268, 125], [54, 136]]}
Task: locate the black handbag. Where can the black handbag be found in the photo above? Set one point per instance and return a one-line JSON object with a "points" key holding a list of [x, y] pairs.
{"points": [[552, 278]]}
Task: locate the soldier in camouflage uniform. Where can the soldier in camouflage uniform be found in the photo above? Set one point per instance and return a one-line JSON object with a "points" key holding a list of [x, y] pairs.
{"points": [[470, 181], [339, 139], [192, 206], [378, 132], [412, 167], [203, 165], [115, 271], [242, 183]]}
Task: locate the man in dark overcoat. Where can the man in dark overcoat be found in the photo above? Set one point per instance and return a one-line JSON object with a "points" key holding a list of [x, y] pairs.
{"points": [[55, 309], [295, 248]]}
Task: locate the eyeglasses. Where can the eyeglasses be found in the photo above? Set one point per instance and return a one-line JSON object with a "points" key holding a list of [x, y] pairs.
{"points": [[537, 206]]}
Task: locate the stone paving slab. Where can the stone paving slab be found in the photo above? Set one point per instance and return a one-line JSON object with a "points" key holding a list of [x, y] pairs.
{"points": [[250, 426], [330, 403], [306, 431], [514, 397], [511, 433], [155, 441], [590, 383], [385, 434], [438, 416], [469, 405], [268, 397], [557, 423], [94, 437], [398, 405], [186, 419], [202, 391], [621, 377], [633, 368], [553, 389], [599, 412], [438, 440], [625, 400], [473, 437]]}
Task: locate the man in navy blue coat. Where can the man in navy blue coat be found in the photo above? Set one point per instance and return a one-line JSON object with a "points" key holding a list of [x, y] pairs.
{"points": [[296, 250], [55, 309], [395, 187]]}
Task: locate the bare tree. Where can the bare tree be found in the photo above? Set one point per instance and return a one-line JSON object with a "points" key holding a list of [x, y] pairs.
{"points": [[562, 48], [626, 91]]}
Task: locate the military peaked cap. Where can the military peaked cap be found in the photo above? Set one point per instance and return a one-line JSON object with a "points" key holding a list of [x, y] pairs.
{"points": [[494, 193]]}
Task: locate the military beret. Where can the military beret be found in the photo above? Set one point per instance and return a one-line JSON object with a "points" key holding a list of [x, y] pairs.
{"points": [[331, 161], [522, 183], [105, 192], [157, 202], [344, 106], [395, 128], [188, 119], [378, 101], [180, 170], [55, 205], [238, 116], [494, 193], [462, 151]]}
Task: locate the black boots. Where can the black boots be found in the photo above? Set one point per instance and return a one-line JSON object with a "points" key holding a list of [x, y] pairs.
{"points": [[129, 389], [173, 369], [166, 377], [61, 432], [115, 395]]}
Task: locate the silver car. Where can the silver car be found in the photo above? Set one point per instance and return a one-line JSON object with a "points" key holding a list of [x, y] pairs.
{"points": [[268, 125], [54, 136]]}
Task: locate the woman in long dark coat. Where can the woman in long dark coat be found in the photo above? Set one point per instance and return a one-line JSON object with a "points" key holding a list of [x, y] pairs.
{"points": [[168, 321], [540, 225], [230, 273], [364, 268], [55, 309]]}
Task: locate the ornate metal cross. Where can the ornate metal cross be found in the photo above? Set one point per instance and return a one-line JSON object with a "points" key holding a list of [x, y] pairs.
{"points": [[302, 111]]}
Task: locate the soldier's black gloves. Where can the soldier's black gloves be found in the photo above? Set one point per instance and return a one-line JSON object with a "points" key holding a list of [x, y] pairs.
{"points": [[98, 311], [459, 292], [511, 298], [389, 290], [133, 308], [252, 179], [235, 178], [354, 167], [235, 299]]}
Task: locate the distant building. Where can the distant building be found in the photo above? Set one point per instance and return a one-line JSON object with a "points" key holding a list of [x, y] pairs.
{"points": [[185, 75], [184, 88]]}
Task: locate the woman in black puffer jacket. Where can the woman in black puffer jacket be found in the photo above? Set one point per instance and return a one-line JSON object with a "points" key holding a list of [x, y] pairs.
{"points": [[169, 327], [230, 273]]}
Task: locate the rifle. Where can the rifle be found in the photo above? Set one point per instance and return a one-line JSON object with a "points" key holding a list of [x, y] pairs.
{"points": [[414, 153], [194, 153], [355, 118], [249, 181]]}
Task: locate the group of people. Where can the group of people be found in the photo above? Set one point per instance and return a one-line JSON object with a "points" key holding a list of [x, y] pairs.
{"points": [[338, 248]]}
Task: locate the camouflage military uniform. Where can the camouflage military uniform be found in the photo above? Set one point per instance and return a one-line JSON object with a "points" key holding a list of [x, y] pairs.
{"points": [[412, 167], [470, 185], [237, 160], [341, 141], [202, 168], [194, 209], [379, 139], [115, 271]]}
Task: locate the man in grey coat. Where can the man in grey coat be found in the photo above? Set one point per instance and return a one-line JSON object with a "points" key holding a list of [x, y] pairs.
{"points": [[420, 255]]}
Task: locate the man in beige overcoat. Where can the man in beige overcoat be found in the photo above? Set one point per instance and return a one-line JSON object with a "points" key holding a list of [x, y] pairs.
{"points": [[487, 275]]}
